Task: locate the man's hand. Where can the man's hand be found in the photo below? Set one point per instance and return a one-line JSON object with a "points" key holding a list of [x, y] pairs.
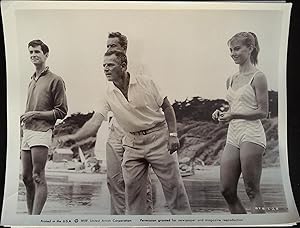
{"points": [[97, 167], [66, 139], [173, 144], [28, 116]]}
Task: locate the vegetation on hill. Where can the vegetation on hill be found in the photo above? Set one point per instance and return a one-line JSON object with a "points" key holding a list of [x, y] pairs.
{"points": [[202, 140]]}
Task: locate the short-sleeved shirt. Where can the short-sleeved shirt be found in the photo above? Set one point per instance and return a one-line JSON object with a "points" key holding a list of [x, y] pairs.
{"points": [[46, 93], [141, 111]]}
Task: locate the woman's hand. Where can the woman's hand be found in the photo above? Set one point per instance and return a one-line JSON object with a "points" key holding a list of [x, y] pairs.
{"points": [[225, 116], [216, 114]]}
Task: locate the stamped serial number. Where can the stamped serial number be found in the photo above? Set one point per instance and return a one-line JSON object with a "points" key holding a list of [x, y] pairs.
{"points": [[267, 208]]}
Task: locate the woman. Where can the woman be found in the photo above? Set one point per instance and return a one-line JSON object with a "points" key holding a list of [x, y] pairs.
{"points": [[246, 141]]}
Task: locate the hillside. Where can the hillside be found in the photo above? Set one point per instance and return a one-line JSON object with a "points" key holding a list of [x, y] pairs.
{"points": [[201, 140]]}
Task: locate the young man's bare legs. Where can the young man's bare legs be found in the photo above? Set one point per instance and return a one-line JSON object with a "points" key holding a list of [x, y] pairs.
{"points": [[27, 178], [34, 162]]}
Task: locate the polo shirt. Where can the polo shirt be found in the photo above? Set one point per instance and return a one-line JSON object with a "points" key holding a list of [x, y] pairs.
{"points": [[141, 111], [46, 93]]}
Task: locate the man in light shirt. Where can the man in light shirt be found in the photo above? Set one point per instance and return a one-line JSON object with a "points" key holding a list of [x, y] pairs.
{"points": [[115, 150], [148, 119]]}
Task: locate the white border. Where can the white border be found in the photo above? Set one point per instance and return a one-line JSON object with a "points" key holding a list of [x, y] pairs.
{"points": [[10, 197]]}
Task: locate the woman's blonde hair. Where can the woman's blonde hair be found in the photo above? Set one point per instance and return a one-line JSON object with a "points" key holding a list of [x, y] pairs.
{"points": [[248, 39]]}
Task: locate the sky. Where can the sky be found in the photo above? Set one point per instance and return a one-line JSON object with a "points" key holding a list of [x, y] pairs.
{"points": [[184, 51]]}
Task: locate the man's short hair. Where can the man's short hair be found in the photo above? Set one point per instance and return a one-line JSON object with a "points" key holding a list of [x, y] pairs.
{"points": [[122, 39], [119, 53], [35, 43]]}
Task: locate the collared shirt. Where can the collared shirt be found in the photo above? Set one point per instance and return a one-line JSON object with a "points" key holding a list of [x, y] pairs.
{"points": [[141, 111], [46, 93], [35, 77]]}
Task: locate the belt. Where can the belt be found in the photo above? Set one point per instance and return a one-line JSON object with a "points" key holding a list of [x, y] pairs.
{"points": [[147, 131]]}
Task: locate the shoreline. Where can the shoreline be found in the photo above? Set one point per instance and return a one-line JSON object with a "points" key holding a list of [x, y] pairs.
{"points": [[71, 192], [270, 175]]}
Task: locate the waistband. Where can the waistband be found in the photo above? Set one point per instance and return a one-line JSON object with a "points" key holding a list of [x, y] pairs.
{"points": [[243, 121], [39, 125], [147, 131]]}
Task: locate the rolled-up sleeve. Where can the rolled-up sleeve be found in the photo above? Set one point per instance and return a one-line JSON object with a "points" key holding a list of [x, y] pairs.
{"points": [[60, 106], [102, 107]]}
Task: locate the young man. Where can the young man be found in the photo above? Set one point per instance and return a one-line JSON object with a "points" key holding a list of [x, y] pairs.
{"points": [[46, 102], [115, 150], [148, 119]]}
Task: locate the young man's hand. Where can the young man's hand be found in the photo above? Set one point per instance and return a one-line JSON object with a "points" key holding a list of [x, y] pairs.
{"points": [[28, 116]]}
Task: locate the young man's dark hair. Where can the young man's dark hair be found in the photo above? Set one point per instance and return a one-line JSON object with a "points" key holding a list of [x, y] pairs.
{"points": [[35, 43]]}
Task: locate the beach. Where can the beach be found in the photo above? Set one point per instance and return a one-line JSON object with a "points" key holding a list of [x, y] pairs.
{"points": [[83, 192]]}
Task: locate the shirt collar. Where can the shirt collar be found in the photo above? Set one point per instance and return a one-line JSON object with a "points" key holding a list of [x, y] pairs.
{"points": [[132, 81], [44, 72]]}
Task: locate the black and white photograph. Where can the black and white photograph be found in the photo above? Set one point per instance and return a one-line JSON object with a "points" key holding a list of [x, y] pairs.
{"points": [[146, 114]]}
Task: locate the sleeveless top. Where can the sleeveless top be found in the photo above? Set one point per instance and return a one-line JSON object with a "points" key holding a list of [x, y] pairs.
{"points": [[242, 99]]}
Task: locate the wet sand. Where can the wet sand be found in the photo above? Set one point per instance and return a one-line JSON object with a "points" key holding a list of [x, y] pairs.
{"points": [[70, 192]]}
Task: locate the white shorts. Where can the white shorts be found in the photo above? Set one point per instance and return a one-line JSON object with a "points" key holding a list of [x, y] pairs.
{"points": [[240, 131], [36, 138]]}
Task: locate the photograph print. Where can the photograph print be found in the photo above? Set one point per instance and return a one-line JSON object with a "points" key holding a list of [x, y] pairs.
{"points": [[146, 114]]}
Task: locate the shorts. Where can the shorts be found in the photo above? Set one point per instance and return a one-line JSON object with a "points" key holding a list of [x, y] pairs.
{"points": [[240, 131], [36, 138]]}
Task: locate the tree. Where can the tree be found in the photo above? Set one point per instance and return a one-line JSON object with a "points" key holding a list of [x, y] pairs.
{"points": [[201, 109]]}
